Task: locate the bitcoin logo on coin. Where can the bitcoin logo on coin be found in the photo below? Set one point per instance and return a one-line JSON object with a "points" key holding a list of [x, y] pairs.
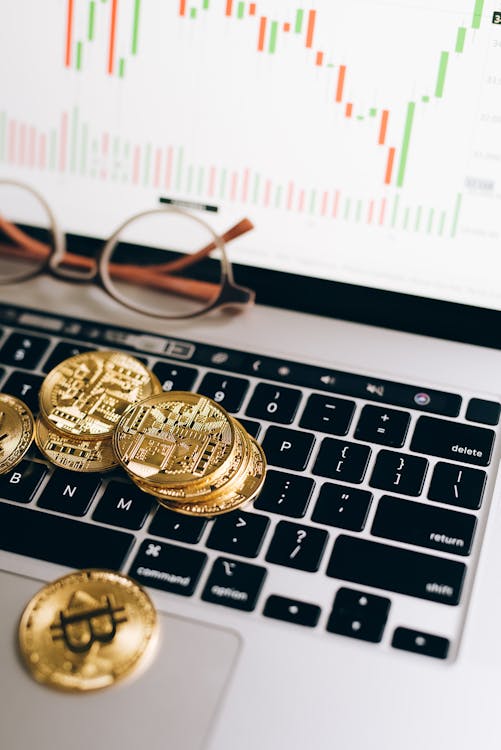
{"points": [[87, 630], [16, 431]]}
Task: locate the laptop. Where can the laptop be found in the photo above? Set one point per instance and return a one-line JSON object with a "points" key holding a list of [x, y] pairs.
{"points": [[356, 602]]}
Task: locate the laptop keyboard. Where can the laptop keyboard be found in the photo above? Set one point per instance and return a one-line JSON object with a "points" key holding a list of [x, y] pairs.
{"points": [[367, 523]]}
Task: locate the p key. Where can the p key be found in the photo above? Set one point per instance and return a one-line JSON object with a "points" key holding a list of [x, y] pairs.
{"points": [[287, 448]]}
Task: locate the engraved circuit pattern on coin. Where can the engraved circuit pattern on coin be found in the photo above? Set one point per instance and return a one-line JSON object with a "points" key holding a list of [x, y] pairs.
{"points": [[197, 491], [86, 395], [75, 454], [218, 503], [87, 630], [174, 438], [16, 431]]}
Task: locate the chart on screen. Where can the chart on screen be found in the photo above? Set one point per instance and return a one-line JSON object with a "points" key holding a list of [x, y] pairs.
{"points": [[361, 138]]}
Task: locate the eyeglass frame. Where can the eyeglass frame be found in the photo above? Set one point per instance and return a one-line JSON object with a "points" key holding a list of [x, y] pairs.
{"points": [[230, 294]]}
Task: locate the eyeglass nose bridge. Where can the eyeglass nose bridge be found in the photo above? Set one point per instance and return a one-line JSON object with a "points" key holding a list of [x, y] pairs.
{"points": [[87, 267]]}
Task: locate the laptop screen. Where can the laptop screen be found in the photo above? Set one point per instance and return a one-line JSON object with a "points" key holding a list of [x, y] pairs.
{"points": [[361, 138]]}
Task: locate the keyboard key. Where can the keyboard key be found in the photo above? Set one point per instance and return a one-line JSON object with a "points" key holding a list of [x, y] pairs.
{"points": [[171, 525], [234, 584], [339, 459], [420, 643], [328, 414], [383, 426], [241, 533], [398, 472], [452, 440], [175, 377], [424, 525], [296, 546], [123, 505], [359, 615], [457, 485], [61, 540], [70, 492], [486, 412], [253, 428], [25, 386], [168, 567], [63, 351], [343, 383], [287, 494], [291, 610], [23, 350], [229, 392], [395, 569], [288, 448], [341, 506], [21, 483], [274, 403]]}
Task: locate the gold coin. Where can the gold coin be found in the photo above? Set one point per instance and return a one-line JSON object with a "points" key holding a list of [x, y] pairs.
{"points": [[174, 438], [219, 503], [75, 454], [16, 431], [87, 394], [87, 630], [217, 482]]}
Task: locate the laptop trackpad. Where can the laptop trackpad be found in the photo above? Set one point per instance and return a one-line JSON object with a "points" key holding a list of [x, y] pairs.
{"points": [[171, 705]]}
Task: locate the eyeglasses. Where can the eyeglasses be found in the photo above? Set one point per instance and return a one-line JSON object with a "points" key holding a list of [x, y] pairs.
{"points": [[164, 262]]}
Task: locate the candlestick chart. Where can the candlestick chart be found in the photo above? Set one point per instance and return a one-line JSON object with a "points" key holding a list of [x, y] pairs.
{"points": [[364, 130]]}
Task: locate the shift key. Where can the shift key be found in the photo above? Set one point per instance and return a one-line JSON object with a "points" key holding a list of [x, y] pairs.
{"points": [[395, 569], [453, 440]]}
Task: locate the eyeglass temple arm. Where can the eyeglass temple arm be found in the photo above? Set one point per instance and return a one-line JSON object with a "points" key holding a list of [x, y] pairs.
{"points": [[242, 227], [35, 248], [193, 288], [40, 250]]}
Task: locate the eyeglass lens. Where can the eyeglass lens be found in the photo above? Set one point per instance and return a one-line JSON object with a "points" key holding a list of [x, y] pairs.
{"points": [[165, 264], [26, 233]]}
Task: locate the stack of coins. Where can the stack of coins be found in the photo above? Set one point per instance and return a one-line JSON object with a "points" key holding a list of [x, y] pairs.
{"points": [[81, 402], [188, 452]]}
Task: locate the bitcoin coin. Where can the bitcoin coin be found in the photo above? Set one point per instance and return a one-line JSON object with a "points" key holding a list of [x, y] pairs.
{"points": [[16, 431], [216, 504], [197, 491], [75, 454], [86, 395], [174, 439], [87, 630]]}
